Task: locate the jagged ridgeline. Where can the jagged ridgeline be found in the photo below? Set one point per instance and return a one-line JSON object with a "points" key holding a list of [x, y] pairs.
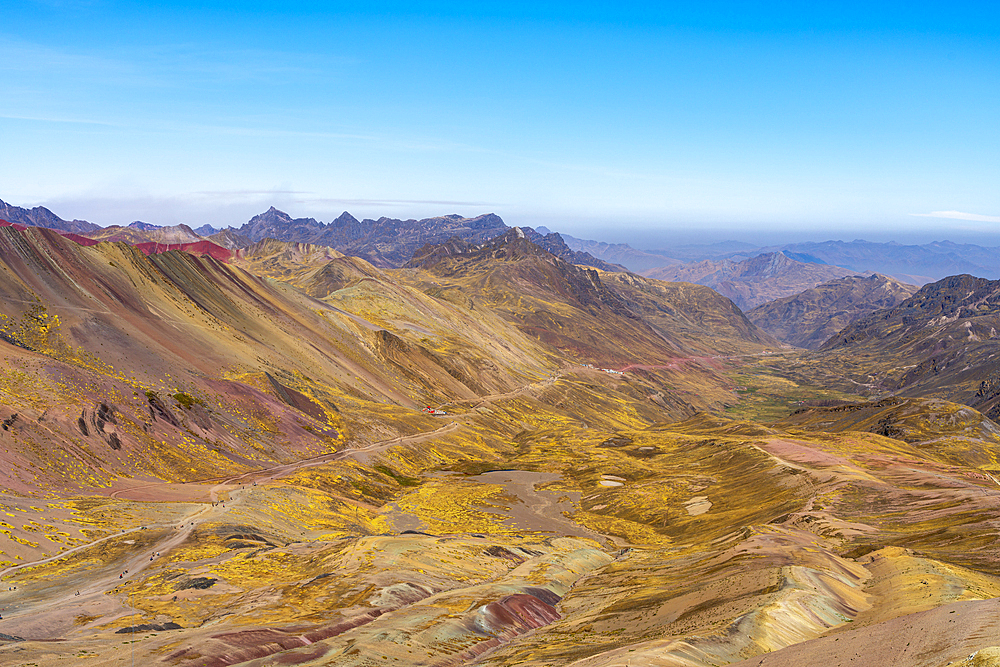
{"points": [[754, 281], [386, 242], [941, 342], [476, 448], [810, 318]]}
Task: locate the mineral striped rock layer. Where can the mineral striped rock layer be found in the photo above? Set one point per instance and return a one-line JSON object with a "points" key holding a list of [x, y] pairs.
{"points": [[275, 453]]}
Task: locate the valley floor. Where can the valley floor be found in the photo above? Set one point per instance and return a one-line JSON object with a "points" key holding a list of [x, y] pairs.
{"points": [[490, 456], [613, 542]]}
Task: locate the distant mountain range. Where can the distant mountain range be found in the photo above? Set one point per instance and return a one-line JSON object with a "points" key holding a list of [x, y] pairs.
{"points": [[143, 232], [752, 281], [43, 217], [390, 242], [915, 264], [386, 242], [811, 317], [643, 260]]}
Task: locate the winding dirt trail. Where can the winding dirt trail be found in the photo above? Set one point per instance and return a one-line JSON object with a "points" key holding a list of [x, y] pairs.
{"points": [[53, 615], [191, 521], [542, 510]]}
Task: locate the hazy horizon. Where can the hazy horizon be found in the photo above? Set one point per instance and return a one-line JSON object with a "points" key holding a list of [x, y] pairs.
{"points": [[712, 119], [648, 237]]}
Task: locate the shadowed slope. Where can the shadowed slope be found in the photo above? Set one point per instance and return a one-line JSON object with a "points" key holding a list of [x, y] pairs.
{"points": [[811, 317], [753, 281], [941, 342], [559, 303]]}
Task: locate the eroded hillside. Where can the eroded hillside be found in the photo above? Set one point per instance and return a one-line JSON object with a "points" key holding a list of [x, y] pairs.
{"points": [[491, 456], [812, 317], [941, 342]]}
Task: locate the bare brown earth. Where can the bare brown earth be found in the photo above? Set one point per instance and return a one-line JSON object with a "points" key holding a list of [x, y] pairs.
{"points": [[275, 494]]}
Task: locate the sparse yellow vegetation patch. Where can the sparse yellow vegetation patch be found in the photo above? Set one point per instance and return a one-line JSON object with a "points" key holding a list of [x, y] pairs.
{"points": [[455, 506], [630, 532]]}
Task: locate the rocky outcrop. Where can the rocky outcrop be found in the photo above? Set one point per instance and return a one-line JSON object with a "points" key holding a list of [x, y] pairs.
{"points": [[101, 422]]}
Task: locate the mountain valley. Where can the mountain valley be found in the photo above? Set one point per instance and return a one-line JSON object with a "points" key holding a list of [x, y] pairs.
{"points": [[808, 319], [453, 442], [754, 281]]}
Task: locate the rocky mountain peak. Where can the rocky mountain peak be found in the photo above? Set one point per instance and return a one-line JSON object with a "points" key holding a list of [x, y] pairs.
{"points": [[39, 216], [344, 219], [271, 215], [144, 226], [206, 230], [555, 244], [809, 318]]}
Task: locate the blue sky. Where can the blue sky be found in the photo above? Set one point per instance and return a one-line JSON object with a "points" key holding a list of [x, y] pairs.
{"points": [[759, 121]]}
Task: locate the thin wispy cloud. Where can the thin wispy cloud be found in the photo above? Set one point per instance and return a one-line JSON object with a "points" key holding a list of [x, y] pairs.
{"points": [[958, 215], [172, 65], [42, 119], [392, 202], [243, 193]]}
